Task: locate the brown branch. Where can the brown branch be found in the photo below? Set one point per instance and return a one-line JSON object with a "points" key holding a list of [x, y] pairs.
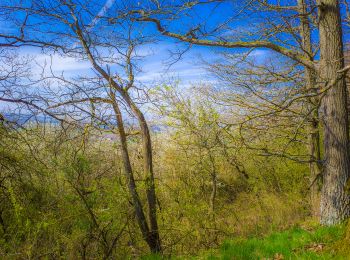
{"points": [[144, 17]]}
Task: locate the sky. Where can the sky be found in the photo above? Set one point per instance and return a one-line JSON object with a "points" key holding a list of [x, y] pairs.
{"points": [[154, 68], [158, 64], [190, 68]]}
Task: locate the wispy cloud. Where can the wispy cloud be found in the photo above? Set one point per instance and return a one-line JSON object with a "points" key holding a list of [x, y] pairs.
{"points": [[56, 63], [60, 64], [154, 65], [188, 69]]}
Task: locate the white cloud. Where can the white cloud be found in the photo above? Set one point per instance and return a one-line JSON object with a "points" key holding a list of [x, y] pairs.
{"points": [[62, 64], [154, 65], [259, 52]]}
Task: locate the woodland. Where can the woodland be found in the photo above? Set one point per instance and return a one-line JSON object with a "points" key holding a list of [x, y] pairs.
{"points": [[163, 129]]}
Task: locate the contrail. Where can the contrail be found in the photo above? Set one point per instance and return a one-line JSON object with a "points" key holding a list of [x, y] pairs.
{"points": [[102, 12]]}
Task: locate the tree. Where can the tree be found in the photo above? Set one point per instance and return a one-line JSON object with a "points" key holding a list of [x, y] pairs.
{"points": [[314, 144], [195, 124], [334, 200], [334, 206], [73, 34]]}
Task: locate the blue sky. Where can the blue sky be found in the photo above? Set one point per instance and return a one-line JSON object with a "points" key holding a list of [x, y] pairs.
{"points": [[155, 66], [190, 67]]}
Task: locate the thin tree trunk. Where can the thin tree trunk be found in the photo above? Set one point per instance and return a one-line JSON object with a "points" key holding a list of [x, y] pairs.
{"points": [[313, 122], [213, 192], [140, 216], [334, 198], [148, 168], [315, 164], [213, 183], [152, 238]]}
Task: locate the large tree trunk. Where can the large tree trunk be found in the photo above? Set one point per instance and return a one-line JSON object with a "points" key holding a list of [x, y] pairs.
{"points": [[313, 118], [148, 168], [334, 198]]}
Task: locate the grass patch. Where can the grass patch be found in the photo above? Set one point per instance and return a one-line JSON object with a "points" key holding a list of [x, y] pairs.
{"points": [[295, 243]]}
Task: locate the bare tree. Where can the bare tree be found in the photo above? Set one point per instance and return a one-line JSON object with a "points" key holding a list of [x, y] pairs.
{"points": [[330, 73], [72, 32]]}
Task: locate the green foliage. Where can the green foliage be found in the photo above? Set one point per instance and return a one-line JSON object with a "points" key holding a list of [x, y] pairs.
{"points": [[51, 202], [64, 194]]}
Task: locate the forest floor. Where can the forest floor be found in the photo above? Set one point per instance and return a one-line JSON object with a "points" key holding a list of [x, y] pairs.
{"points": [[304, 242]]}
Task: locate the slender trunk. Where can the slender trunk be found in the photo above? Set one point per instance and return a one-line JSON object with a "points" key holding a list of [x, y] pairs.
{"points": [[313, 122], [334, 198], [213, 183], [2, 223], [152, 236], [213, 192], [140, 216], [148, 168], [315, 165]]}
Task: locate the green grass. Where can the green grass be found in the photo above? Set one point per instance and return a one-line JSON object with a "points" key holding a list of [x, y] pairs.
{"points": [[295, 243]]}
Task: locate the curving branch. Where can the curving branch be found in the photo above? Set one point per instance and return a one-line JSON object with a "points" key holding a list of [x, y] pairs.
{"points": [[294, 55]]}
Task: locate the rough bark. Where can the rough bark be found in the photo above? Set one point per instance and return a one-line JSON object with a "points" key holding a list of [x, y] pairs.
{"points": [[313, 130], [334, 198]]}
